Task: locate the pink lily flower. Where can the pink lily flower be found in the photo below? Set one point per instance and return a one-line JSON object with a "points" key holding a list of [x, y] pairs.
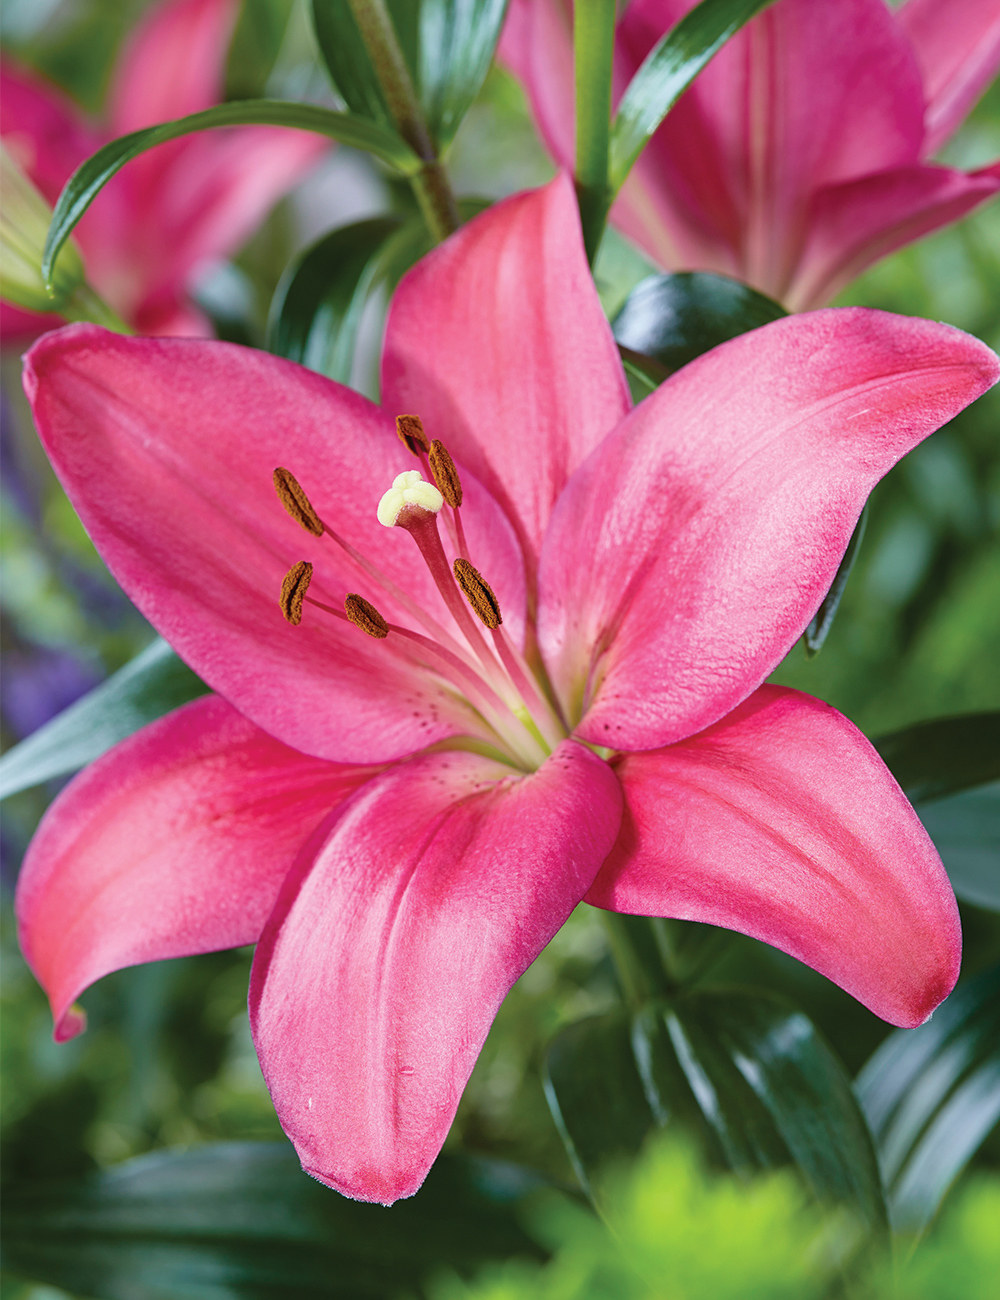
{"points": [[402, 820], [179, 207], [800, 156]]}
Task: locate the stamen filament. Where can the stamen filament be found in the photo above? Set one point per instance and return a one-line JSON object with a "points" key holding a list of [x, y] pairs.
{"points": [[537, 705]]}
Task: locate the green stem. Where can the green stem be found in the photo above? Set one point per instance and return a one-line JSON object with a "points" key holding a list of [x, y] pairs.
{"points": [[637, 958], [430, 185], [87, 305], [593, 52]]}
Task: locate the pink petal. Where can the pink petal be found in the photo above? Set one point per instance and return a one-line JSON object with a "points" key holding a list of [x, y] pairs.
{"points": [[173, 63], [388, 955], [957, 44], [854, 224], [782, 822], [690, 551], [498, 341], [537, 47], [808, 93], [175, 842], [167, 447]]}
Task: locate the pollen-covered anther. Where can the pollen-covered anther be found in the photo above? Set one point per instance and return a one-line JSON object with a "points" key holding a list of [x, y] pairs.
{"points": [[411, 431], [364, 615], [478, 593], [408, 489], [294, 586], [445, 473], [296, 502]]}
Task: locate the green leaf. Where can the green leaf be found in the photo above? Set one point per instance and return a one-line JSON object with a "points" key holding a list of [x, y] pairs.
{"points": [[745, 1071], [965, 829], [674, 318], [447, 46], [155, 682], [317, 306], [940, 757], [819, 629], [88, 179], [239, 1220], [932, 1095], [668, 70]]}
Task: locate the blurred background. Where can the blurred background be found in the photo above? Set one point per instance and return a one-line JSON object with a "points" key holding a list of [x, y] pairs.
{"points": [[168, 1060]]}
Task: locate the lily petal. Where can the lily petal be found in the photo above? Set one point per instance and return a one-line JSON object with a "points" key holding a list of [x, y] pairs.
{"points": [[783, 823], [174, 842], [853, 225], [537, 46], [498, 341], [957, 43], [689, 552], [387, 957], [167, 447]]}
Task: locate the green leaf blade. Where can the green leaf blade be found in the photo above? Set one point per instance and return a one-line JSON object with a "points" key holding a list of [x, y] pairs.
{"points": [[944, 755]]}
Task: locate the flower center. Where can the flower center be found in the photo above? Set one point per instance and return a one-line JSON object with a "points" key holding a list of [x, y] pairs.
{"points": [[513, 702]]}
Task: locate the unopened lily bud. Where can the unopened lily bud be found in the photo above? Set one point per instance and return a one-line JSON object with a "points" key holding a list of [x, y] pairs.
{"points": [[365, 616], [478, 593], [445, 473], [296, 502], [408, 489], [411, 431], [294, 586], [24, 224]]}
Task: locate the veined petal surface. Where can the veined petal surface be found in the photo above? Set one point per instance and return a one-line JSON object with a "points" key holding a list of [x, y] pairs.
{"points": [[167, 447], [497, 340], [782, 822], [690, 551], [174, 842], [389, 952]]}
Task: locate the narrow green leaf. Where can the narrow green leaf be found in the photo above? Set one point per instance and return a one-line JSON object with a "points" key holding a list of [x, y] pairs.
{"points": [[932, 1095], [668, 70], [819, 629], [88, 179], [675, 318], [940, 757], [447, 46], [318, 304], [241, 1221], [593, 59], [965, 829], [745, 1071], [155, 682]]}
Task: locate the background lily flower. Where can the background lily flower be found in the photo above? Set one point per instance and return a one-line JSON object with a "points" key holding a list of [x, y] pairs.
{"points": [[404, 819], [800, 156], [176, 208]]}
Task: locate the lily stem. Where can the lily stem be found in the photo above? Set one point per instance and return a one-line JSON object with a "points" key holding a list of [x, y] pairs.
{"points": [[431, 186], [593, 53]]}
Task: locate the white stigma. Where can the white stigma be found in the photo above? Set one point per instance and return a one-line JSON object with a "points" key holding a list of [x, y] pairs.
{"points": [[408, 489]]}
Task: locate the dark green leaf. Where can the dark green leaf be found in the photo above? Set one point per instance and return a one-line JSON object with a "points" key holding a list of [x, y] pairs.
{"points": [[88, 179], [447, 46], [318, 304], [965, 829], [672, 319], [745, 1071], [945, 755], [241, 1219], [668, 70], [155, 682], [932, 1095], [819, 629]]}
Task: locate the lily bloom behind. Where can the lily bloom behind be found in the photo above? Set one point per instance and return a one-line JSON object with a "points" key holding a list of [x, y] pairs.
{"points": [[800, 155], [178, 207], [536, 682]]}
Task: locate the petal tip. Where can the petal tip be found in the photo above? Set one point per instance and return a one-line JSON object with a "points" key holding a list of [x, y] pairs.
{"points": [[70, 1024], [373, 1186]]}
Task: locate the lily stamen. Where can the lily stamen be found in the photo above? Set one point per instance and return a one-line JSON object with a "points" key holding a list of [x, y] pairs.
{"points": [[449, 484], [296, 502], [364, 615], [294, 586]]}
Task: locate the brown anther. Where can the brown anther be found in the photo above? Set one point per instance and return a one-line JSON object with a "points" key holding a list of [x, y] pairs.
{"points": [[445, 474], [365, 616], [478, 593], [411, 431], [296, 502], [294, 586]]}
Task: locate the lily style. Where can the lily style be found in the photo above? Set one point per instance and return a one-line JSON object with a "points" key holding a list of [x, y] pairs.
{"points": [[476, 664], [802, 153], [175, 210]]}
